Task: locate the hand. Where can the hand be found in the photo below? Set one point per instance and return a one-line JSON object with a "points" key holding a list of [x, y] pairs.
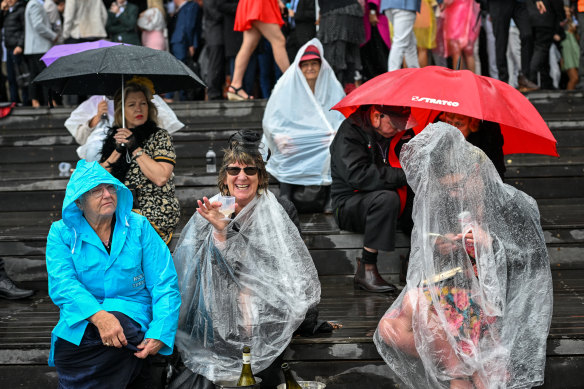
{"points": [[110, 330], [475, 237], [124, 136], [17, 50], [101, 108], [114, 8], [210, 211], [191, 51], [557, 38], [4, 5], [291, 13], [148, 347], [446, 243], [281, 5], [373, 19], [540, 7]]}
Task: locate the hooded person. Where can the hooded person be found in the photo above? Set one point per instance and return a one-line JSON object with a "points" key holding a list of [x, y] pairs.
{"points": [[299, 127], [477, 307], [113, 279], [246, 280]]}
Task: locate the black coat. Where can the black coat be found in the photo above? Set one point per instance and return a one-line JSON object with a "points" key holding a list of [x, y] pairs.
{"points": [[551, 18], [213, 23], [231, 39], [305, 29], [357, 160], [13, 23]]}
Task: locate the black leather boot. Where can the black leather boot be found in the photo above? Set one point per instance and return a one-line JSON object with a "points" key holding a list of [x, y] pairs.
{"points": [[370, 279]]}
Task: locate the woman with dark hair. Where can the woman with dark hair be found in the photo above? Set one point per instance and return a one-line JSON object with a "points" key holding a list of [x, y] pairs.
{"points": [[142, 156], [229, 266]]}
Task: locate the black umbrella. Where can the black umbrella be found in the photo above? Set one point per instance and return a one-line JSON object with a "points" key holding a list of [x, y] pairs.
{"points": [[102, 71]]}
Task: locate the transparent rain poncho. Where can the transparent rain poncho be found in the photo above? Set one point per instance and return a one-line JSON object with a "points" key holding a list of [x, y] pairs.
{"points": [[253, 289], [299, 125], [483, 320]]}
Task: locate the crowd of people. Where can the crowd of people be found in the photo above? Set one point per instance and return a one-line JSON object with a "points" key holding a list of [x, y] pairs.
{"points": [[242, 47]]}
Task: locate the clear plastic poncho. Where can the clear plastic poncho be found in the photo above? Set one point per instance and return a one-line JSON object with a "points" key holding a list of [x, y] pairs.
{"points": [[91, 149], [483, 320], [299, 125], [253, 289]]}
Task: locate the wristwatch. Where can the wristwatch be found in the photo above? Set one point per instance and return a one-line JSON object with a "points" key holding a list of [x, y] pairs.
{"points": [[138, 153]]}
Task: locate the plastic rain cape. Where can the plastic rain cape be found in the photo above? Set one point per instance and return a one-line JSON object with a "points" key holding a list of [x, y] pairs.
{"points": [[449, 323], [299, 125], [253, 290], [91, 150]]}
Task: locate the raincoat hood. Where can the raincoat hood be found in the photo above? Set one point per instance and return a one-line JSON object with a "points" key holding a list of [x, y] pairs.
{"points": [[88, 175]]}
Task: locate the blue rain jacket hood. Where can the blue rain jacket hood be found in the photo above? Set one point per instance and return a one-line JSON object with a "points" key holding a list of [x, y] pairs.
{"points": [[136, 278]]}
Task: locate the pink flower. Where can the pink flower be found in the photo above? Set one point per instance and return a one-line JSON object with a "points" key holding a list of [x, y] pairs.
{"points": [[454, 320], [461, 299], [475, 332]]}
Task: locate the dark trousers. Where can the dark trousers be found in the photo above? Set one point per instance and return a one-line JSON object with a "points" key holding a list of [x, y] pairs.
{"points": [[93, 365], [502, 11], [215, 71], [540, 61], [35, 66], [581, 33], [375, 215], [13, 64]]}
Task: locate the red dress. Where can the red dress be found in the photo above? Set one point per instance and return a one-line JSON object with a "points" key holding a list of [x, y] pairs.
{"points": [[266, 11]]}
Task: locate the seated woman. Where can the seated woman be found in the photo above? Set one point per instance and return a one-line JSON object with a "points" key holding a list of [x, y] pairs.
{"points": [[476, 310], [113, 279], [90, 121], [247, 279], [481, 133], [142, 156], [299, 128]]}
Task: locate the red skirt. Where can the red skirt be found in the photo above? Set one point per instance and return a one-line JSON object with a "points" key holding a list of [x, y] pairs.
{"points": [[266, 11]]}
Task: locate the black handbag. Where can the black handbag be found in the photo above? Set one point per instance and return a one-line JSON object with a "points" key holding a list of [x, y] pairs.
{"points": [[311, 198]]}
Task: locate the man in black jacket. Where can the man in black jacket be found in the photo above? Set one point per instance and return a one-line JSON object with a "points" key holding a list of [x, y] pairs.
{"points": [[12, 20], [369, 188]]}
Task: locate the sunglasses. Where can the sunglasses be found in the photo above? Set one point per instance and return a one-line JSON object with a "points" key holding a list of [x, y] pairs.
{"points": [[234, 170]]}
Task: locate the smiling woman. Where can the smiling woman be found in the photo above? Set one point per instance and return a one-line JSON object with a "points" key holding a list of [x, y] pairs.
{"points": [[142, 156]]}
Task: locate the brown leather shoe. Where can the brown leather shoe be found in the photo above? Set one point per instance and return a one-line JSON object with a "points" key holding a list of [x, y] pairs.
{"points": [[525, 85], [370, 280]]}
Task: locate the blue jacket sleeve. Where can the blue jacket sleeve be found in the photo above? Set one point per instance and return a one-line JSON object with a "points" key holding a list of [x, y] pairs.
{"points": [[162, 283], [67, 292]]}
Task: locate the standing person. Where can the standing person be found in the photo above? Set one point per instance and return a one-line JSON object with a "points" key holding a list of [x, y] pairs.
{"points": [[425, 31], [257, 18], [12, 20], [580, 13], [38, 39], [299, 127], [341, 32], [142, 156], [369, 191], [152, 22], [570, 51], [114, 282], [477, 307], [461, 29], [375, 49], [544, 26], [215, 46], [54, 9], [121, 22], [185, 32], [502, 11], [302, 14], [402, 15], [84, 21]]}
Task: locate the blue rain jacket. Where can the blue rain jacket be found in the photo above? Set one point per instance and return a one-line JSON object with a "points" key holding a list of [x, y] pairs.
{"points": [[138, 278]]}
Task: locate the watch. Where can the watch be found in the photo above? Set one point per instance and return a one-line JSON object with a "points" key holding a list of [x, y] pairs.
{"points": [[138, 153]]}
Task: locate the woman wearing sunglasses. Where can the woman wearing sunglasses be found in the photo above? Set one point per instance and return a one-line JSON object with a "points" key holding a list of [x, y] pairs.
{"points": [[247, 279]]}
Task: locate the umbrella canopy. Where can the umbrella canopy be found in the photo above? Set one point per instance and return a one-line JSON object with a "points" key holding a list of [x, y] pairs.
{"points": [[101, 71], [433, 89], [59, 51]]}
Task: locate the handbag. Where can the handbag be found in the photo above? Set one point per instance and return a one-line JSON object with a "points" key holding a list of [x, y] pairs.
{"points": [[310, 198]]}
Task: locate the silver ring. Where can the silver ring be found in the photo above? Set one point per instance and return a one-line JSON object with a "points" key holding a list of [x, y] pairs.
{"points": [[106, 344]]}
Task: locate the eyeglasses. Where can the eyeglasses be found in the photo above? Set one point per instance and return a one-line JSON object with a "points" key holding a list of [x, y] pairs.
{"points": [[234, 170], [98, 191]]}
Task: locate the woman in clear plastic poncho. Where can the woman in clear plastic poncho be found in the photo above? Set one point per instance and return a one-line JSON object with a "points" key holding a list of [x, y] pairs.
{"points": [[299, 125], [246, 280], [475, 312]]}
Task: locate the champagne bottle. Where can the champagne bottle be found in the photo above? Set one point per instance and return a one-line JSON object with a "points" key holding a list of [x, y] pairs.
{"points": [[246, 377], [290, 381]]}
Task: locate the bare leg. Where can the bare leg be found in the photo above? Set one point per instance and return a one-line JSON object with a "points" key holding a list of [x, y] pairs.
{"points": [[422, 57], [397, 331], [470, 60], [274, 35], [572, 78], [251, 38]]}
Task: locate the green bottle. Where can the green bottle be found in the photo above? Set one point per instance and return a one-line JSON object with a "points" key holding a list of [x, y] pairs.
{"points": [[246, 377], [290, 381]]}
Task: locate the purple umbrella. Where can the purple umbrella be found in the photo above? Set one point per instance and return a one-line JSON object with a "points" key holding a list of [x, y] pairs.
{"points": [[59, 51]]}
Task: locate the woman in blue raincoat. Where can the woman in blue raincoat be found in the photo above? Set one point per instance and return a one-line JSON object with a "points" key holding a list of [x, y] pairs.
{"points": [[114, 281]]}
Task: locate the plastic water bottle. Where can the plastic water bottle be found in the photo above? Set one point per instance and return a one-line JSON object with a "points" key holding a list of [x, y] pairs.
{"points": [[466, 224], [104, 120], [211, 158]]}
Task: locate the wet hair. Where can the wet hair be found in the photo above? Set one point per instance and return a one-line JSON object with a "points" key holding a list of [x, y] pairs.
{"points": [[244, 148], [133, 87]]}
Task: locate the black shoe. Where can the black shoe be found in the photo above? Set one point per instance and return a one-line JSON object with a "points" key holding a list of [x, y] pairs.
{"points": [[370, 280], [11, 292]]}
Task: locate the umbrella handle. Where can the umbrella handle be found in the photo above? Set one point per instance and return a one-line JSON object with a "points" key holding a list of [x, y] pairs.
{"points": [[123, 109]]}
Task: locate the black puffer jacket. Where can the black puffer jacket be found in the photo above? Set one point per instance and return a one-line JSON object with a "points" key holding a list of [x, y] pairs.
{"points": [[358, 163], [13, 23]]}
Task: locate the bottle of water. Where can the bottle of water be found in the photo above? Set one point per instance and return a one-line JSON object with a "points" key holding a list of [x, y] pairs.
{"points": [[211, 158], [466, 225], [104, 120]]}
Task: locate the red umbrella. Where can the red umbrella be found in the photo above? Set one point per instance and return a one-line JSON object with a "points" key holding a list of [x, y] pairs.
{"points": [[434, 89]]}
